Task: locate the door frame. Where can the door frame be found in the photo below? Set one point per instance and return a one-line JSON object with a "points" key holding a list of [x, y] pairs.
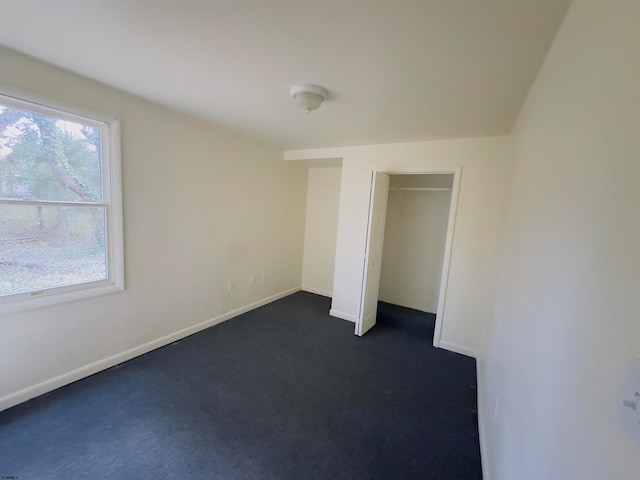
{"points": [[456, 171]]}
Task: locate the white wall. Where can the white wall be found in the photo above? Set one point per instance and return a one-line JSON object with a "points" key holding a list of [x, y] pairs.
{"points": [[485, 167], [201, 206], [566, 323], [414, 242], [321, 228]]}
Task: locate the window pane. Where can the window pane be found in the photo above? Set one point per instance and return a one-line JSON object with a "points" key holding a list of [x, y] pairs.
{"points": [[43, 247], [47, 158]]}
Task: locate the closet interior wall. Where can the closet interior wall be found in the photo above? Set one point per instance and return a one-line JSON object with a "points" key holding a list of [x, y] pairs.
{"points": [[414, 241]]}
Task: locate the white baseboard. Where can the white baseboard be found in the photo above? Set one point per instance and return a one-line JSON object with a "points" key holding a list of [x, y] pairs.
{"points": [[317, 291], [454, 347], [66, 378], [343, 316], [482, 431]]}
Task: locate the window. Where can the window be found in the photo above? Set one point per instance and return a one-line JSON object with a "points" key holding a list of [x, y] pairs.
{"points": [[60, 205]]}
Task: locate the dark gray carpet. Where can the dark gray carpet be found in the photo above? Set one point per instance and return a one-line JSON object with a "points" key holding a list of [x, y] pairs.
{"points": [[282, 392]]}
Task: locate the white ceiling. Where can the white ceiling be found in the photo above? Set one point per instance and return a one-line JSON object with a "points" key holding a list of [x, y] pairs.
{"points": [[396, 70]]}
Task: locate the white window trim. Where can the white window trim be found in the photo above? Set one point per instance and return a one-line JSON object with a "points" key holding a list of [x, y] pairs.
{"points": [[112, 197]]}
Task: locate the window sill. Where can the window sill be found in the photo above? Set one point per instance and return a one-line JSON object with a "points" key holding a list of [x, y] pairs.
{"points": [[24, 304]]}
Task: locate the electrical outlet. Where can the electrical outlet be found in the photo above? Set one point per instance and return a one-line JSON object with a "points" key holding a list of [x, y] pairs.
{"points": [[252, 279], [231, 285], [263, 277]]}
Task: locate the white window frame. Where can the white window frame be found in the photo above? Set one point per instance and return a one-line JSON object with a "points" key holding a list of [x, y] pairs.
{"points": [[111, 201]]}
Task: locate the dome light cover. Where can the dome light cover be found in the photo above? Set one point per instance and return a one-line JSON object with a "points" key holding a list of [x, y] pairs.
{"points": [[309, 97]]}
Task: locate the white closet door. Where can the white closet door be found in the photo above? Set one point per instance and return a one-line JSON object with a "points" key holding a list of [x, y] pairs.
{"points": [[373, 254]]}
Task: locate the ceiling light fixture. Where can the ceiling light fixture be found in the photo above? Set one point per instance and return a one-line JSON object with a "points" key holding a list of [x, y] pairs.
{"points": [[309, 97]]}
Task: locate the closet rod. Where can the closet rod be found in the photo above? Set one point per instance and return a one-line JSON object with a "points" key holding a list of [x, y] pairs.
{"points": [[419, 188]]}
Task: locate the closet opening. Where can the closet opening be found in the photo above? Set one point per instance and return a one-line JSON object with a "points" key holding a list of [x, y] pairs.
{"points": [[409, 239], [413, 249]]}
